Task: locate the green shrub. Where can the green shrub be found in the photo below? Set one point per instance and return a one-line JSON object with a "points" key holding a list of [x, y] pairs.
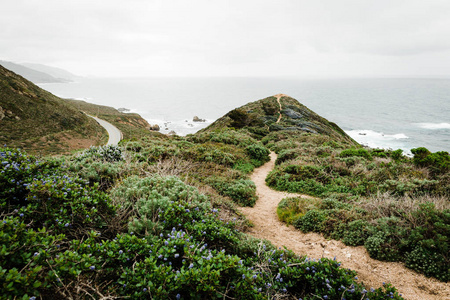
{"points": [[353, 233], [428, 262], [287, 154], [242, 191], [397, 154], [438, 162], [311, 221], [22, 274], [244, 167], [387, 239], [109, 153], [258, 153], [18, 170], [288, 210], [36, 192], [356, 152]]}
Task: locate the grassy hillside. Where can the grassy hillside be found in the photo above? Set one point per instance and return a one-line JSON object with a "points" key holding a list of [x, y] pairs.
{"points": [[263, 117], [132, 125], [36, 120]]}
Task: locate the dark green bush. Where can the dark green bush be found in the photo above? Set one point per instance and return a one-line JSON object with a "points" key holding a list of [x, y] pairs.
{"points": [[312, 221], [287, 154], [397, 154], [438, 162], [353, 233], [387, 239], [361, 152], [258, 153], [429, 262]]}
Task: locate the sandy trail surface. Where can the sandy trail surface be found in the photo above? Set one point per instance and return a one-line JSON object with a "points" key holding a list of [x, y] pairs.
{"points": [[372, 272]]}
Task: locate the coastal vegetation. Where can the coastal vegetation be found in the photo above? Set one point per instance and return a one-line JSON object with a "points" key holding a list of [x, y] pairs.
{"points": [[144, 235], [157, 216]]}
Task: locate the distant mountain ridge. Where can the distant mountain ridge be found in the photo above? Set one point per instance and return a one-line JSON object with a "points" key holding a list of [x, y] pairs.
{"points": [[39, 73], [57, 73]]}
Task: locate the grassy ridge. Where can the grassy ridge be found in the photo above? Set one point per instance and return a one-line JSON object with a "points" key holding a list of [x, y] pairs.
{"points": [[38, 121]]}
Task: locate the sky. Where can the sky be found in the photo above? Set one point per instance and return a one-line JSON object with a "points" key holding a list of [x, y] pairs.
{"points": [[284, 38]]}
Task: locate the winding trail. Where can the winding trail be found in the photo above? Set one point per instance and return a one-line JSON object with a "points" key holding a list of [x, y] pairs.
{"points": [[372, 272], [115, 135], [278, 96]]}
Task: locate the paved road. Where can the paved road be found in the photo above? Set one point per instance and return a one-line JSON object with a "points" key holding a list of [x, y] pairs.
{"points": [[115, 135]]}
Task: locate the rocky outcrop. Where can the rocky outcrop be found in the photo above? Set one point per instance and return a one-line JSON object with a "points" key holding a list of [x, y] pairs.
{"points": [[2, 113], [197, 119], [154, 127]]}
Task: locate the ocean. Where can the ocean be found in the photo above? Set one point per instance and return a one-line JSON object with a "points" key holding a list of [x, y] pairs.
{"points": [[379, 113]]}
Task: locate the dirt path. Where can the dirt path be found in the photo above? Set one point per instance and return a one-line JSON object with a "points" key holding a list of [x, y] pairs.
{"points": [[372, 272], [278, 96]]}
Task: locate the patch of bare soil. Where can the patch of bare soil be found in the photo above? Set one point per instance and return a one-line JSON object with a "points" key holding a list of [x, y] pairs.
{"points": [[278, 96], [370, 271]]}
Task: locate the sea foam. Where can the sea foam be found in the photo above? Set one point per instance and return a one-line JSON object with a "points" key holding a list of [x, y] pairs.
{"points": [[434, 126], [374, 139]]}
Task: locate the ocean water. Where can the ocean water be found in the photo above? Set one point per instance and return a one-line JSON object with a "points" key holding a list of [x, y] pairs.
{"points": [[379, 113]]}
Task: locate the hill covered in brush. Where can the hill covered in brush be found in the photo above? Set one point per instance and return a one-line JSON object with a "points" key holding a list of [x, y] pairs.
{"points": [[36, 120], [279, 113]]}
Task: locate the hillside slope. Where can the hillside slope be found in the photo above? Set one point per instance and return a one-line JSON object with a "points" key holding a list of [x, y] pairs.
{"points": [[279, 113], [34, 119]]}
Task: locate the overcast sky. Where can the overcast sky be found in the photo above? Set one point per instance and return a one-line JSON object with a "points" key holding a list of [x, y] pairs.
{"points": [[295, 38]]}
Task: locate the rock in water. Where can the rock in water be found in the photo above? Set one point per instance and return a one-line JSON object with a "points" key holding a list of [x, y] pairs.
{"points": [[197, 119], [154, 127]]}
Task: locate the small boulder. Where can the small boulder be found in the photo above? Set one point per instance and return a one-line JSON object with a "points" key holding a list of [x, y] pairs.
{"points": [[154, 127], [2, 113], [197, 119]]}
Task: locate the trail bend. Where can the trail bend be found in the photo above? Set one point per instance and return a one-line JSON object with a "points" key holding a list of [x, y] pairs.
{"points": [[370, 271], [115, 135]]}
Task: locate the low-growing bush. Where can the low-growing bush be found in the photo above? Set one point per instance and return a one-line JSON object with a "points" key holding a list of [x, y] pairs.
{"points": [[399, 233], [438, 162], [242, 191], [258, 153], [109, 153], [361, 152]]}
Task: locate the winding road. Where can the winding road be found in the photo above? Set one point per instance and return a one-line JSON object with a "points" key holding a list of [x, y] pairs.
{"points": [[115, 135], [370, 271]]}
